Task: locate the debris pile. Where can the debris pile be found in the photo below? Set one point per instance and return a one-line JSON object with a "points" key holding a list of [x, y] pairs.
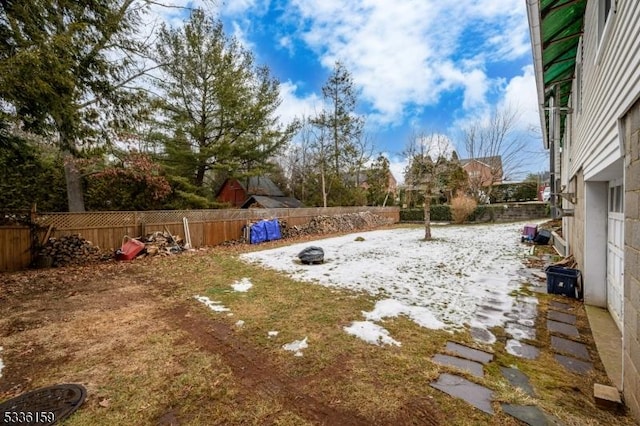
{"points": [[332, 224], [68, 250], [162, 243]]}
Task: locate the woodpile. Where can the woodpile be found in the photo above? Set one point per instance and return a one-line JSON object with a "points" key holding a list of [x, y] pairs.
{"points": [[68, 250], [162, 243], [334, 224]]}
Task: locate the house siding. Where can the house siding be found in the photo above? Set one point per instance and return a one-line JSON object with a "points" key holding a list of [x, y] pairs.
{"points": [[601, 143], [631, 326], [611, 74]]}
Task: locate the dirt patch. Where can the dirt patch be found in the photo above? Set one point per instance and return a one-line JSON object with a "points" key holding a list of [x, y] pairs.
{"points": [[255, 371]]}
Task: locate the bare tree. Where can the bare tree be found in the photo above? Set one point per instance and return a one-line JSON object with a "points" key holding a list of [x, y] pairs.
{"points": [[494, 143], [427, 154]]}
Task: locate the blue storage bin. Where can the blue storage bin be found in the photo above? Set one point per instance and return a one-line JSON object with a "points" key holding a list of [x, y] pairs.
{"points": [[565, 281]]}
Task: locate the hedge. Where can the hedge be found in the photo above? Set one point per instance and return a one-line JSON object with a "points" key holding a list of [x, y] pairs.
{"points": [[439, 213]]}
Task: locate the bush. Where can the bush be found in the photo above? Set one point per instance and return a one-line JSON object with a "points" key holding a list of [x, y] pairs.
{"points": [[462, 207], [439, 213]]}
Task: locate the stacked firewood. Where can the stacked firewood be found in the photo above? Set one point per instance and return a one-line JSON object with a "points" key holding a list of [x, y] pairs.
{"points": [[333, 224], [68, 250]]}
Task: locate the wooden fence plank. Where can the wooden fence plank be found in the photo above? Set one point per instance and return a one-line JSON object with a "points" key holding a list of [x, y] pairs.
{"points": [[15, 248]]}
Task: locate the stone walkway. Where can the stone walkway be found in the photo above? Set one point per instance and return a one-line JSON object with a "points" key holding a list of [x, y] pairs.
{"points": [[561, 326]]}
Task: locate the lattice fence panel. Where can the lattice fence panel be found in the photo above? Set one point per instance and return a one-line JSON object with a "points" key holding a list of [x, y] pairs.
{"points": [[62, 221]]}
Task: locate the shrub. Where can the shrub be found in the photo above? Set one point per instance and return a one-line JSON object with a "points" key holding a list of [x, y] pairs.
{"points": [[462, 207], [440, 213]]}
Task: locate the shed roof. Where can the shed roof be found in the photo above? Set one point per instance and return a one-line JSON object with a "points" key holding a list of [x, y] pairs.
{"points": [[271, 202]]}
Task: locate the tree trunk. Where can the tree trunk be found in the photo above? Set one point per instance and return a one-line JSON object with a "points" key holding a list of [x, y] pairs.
{"points": [[73, 179], [199, 181], [324, 190], [427, 216]]}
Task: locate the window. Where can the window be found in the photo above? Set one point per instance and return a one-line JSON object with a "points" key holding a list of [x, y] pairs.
{"points": [[606, 9], [616, 199], [606, 18]]}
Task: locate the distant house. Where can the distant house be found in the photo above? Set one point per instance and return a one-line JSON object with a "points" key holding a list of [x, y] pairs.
{"points": [[483, 171], [391, 188], [254, 191]]}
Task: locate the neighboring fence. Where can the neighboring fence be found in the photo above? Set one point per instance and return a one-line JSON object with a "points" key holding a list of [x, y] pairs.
{"points": [[107, 229], [504, 212], [15, 247]]}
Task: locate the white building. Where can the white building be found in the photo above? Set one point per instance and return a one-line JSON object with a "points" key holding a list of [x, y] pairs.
{"points": [[587, 62]]}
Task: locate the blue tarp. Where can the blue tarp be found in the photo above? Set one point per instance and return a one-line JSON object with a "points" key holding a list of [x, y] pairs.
{"points": [[273, 230], [258, 233], [265, 230]]}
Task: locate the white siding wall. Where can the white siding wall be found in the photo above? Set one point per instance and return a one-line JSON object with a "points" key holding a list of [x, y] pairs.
{"points": [[607, 94]]}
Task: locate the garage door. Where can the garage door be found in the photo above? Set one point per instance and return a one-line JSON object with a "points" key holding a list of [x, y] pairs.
{"points": [[615, 251]]}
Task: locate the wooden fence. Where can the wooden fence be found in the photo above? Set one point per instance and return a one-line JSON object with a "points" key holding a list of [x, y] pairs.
{"points": [[107, 229]]}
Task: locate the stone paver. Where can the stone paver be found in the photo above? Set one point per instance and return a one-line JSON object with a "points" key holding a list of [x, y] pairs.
{"points": [[573, 364], [531, 415], [469, 353], [476, 395], [576, 349], [517, 379], [519, 331], [562, 328], [482, 335], [561, 317], [522, 350], [472, 367], [560, 306]]}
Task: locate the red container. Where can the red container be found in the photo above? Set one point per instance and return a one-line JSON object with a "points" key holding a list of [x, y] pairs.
{"points": [[130, 249]]}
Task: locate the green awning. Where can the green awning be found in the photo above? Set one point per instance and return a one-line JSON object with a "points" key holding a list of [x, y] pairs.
{"points": [[561, 23], [556, 27]]}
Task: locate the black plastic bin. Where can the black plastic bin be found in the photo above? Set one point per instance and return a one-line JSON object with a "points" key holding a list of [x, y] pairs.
{"points": [[565, 281], [542, 237]]}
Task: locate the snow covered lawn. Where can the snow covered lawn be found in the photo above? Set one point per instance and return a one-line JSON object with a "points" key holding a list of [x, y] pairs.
{"points": [[466, 275]]}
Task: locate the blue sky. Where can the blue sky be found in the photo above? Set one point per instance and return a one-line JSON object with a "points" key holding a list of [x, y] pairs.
{"points": [[418, 65]]}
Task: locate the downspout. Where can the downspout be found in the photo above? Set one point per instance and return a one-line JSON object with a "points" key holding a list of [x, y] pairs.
{"points": [[554, 129]]}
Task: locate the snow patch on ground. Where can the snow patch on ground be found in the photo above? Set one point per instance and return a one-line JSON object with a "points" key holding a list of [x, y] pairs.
{"points": [[271, 334], [514, 347], [243, 285], [1, 363], [371, 333], [211, 304], [465, 275], [392, 308], [296, 346]]}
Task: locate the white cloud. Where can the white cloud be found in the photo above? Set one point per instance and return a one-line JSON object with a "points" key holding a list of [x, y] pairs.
{"points": [[407, 52], [397, 165], [295, 106], [520, 94]]}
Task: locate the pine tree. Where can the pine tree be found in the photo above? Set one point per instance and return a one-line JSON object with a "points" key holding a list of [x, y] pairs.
{"points": [[61, 71], [219, 108]]}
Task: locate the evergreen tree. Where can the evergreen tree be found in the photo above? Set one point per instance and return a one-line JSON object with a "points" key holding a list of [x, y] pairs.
{"points": [[338, 135], [219, 108], [64, 68], [378, 177]]}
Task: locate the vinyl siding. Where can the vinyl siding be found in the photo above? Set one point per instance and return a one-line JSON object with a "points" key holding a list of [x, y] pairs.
{"points": [[610, 87]]}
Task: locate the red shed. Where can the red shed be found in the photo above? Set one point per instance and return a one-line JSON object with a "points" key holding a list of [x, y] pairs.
{"points": [[237, 191]]}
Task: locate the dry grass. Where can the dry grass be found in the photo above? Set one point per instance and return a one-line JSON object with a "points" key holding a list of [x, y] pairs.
{"points": [[149, 353]]}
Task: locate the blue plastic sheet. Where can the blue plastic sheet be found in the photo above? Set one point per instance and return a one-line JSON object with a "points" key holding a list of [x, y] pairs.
{"points": [[258, 233], [273, 230], [265, 230]]}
